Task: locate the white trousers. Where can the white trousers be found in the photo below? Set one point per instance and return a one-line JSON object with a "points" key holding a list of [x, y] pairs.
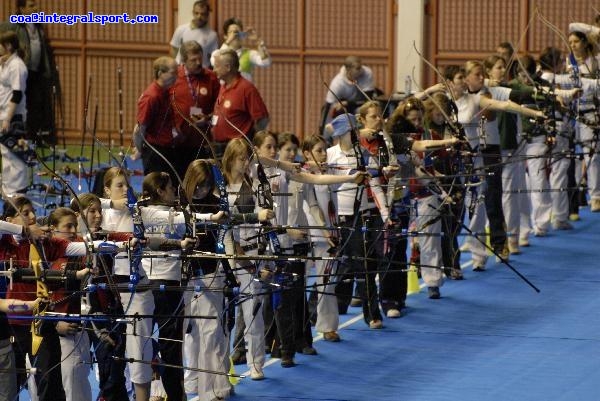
{"points": [[430, 245], [541, 202], [75, 366], [139, 346], [206, 345], [559, 181], [14, 172], [478, 220], [328, 318], [513, 180], [252, 312], [585, 134]]}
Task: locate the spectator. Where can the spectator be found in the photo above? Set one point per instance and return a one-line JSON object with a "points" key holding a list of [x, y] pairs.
{"points": [[13, 76], [239, 105], [250, 48], [155, 118], [346, 90], [193, 97], [197, 30]]}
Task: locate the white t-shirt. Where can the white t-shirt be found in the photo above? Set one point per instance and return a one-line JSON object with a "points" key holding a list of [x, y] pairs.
{"points": [[205, 36], [468, 109], [492, 133], [346, 90], [344, 163]]}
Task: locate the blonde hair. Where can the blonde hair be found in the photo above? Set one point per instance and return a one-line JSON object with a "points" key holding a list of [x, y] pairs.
{"points": [[471, 65], [237, 147]]}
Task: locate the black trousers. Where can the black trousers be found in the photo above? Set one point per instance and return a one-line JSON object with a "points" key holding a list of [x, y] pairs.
{"points": [[47, 360], [112, 380], [359, 246], [169, 303], [452, 217], [291, 313], [393, 279], [492, 160], [40, 113]]}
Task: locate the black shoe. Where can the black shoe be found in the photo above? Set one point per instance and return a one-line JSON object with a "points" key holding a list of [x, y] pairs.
{"points": [[275, 353], [308, 351], [456, 274], [287, 362], [434, 292], [239, 357]]}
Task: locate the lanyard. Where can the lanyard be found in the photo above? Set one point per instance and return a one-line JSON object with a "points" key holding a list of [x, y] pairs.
{"points": [[193, 92]]}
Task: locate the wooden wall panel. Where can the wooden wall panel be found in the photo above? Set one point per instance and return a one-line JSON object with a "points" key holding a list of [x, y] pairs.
{"points": [[317, 69], [475, 26], [69, 71], [276, 21], [347, 25], [131, 33], [560, 13], [63, 32], [136, 72], [280, 93]]}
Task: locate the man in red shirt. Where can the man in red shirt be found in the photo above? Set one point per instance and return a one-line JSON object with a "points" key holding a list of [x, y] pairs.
{"points": [[155, 118], [239, 105], [193, 98]]}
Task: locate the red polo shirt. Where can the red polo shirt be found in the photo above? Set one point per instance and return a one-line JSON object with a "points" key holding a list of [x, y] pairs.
{"points": [[193, 90], [242, 105], [154, 111]]}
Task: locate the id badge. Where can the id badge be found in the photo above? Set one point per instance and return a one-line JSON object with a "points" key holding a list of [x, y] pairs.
{"points": [[214, 120], [195, 111]]}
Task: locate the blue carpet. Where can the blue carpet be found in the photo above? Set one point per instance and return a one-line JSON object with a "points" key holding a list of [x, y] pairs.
{"points": [[490, 337]]}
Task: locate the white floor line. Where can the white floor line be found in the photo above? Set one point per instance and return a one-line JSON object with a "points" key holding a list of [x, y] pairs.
{"points": [[350, 322]]}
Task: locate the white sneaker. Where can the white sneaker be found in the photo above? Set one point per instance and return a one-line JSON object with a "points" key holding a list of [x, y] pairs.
{"points": [[256, 373], [513, 246], [595, 206], [393, 313], [539, 232], [562, 225]]}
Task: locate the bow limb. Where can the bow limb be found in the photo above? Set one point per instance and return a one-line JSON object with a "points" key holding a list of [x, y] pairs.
{"points": [[41, 292], [436, 70], [232, 286], [552, 27]]}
